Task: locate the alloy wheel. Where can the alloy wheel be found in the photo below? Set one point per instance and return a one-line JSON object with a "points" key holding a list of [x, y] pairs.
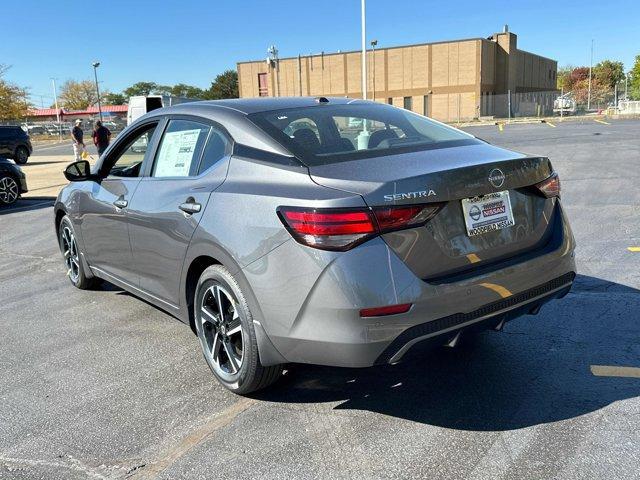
{"points": [[222, 335], [22, 155], [8, 190], [70, 253]]}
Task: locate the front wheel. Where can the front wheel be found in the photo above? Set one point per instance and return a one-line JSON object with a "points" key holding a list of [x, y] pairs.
{"points": [[22, 155], [9, 191], [71, 255], [225, 328]]}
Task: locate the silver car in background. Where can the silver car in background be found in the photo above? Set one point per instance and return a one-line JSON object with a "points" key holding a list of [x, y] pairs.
{"points": [[329, 231]]}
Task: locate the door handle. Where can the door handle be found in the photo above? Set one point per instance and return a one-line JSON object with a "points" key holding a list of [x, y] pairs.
{"points": [[190, 206], [120, 203]]}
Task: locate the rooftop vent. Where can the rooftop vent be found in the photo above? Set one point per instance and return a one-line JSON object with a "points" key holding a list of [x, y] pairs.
{"points": [[505, 29]]}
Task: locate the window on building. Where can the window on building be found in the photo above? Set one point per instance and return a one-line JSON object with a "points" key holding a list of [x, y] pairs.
{"points": [[263, 88], [426, 105], [390, 101], [408, 104]]}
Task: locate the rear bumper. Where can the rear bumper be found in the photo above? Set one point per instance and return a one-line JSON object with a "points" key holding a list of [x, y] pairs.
{"points": [[310, 300], [23, 185], [493, 315]]}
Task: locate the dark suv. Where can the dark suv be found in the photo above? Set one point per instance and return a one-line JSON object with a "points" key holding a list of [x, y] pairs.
{"points": [[15, 144]]}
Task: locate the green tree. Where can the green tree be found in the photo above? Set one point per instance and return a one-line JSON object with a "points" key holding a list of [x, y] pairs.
{"points": [[634, 80], [76, 95], [564, 78], [225, 85], [13, 99], [609, 73], [140, 88], [114, 99], [189, 91]]}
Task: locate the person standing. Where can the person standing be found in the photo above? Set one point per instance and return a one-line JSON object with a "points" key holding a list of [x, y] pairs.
{"points": [[78, 143], [101, 137]]}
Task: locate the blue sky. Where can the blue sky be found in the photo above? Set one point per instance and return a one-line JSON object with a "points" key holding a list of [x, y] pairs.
{"points": [[190, 41]]}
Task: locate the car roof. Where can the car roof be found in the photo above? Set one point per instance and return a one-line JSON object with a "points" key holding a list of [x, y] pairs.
{"points": [[264, 104]]}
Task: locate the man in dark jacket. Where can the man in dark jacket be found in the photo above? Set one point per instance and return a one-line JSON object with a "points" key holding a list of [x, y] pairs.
{"points": [[101, 137]]}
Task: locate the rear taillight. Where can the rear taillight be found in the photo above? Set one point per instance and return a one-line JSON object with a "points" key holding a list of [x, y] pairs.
{"points": [[550, 187], [342, 229]]}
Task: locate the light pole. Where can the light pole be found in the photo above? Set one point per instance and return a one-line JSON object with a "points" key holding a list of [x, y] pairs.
{"points": [[363, 136], [590, 67], [373, 49], [95, 74], [55, 101], [364, 50], [273, 51]]}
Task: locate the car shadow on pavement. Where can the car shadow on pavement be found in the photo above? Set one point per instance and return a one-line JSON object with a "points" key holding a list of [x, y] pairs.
{"points": [[538, 370], [28, 204]]}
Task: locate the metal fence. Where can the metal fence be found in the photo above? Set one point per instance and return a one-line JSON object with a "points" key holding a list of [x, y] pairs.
{"points": [[555, 103], [518, 104]]}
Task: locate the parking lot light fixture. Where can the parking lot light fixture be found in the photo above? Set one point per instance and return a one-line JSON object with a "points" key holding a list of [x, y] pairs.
{"points": [[95, 74]]}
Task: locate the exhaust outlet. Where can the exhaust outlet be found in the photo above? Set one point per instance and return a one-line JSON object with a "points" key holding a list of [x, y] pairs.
{"points": [[453, 341], [535, 310]]}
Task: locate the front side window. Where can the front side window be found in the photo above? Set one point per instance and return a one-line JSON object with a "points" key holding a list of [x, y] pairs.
{"points": [[336, 133], [127, 161], [180, 149]]}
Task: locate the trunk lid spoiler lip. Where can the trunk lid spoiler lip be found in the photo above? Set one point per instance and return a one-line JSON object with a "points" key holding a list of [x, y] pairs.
{"points": [[447, 174]]}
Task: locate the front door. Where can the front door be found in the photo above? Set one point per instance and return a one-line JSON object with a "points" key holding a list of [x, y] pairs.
{"points": [[190, 162], [104, 226]]}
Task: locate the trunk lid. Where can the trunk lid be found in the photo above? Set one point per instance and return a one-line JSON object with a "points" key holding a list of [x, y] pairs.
{"points": [[448, 175]]}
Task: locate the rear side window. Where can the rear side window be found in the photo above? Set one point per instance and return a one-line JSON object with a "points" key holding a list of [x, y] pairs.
{"points": [[217, 148], [180, 149], [326, 133]]}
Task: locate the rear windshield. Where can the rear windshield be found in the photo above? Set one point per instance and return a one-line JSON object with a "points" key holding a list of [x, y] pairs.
{"points": [[326, 133]]}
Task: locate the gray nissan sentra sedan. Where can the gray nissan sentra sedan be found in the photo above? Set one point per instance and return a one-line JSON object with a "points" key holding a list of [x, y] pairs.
{"points": [[317, 230]]}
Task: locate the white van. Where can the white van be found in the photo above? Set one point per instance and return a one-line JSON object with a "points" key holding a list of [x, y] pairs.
{"points": [[142, 104]]}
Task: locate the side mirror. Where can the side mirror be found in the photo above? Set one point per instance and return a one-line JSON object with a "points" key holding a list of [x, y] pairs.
{"points": [[78, 171]]}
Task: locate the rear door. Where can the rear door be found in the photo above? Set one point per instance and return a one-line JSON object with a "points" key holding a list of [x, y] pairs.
{"points": [[190, 162], [104, 226]]}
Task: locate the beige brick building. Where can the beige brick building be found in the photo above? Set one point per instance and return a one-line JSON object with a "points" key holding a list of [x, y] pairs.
{"points": [[449, 81]]}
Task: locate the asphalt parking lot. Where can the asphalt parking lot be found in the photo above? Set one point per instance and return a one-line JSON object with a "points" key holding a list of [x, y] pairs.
{"points": [[100, 384]]}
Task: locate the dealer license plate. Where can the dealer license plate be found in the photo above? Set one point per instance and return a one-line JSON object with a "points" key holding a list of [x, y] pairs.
{"points": [[487, 213]]}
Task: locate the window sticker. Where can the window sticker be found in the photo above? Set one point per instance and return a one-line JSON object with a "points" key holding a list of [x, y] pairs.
{"points": [[176, 153]]}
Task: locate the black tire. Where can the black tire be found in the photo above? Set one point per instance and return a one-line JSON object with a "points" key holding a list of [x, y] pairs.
{"points": [[21, 155], [75, 269], [9, 190], [251, 374]]}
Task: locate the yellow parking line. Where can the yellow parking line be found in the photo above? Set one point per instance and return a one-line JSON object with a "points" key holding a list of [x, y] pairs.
{"points": [[499, 289], [473, 258], [633, 249], [613, 371], [602, 121], [551, 124]]}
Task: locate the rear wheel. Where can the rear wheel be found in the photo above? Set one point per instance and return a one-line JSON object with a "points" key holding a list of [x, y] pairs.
{"points": [[9, 190], [21, 155], [71, 255], [225, 328]]}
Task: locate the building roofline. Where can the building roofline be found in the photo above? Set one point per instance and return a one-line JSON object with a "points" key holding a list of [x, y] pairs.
{"points": [[321, 54], [537, 55]]}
